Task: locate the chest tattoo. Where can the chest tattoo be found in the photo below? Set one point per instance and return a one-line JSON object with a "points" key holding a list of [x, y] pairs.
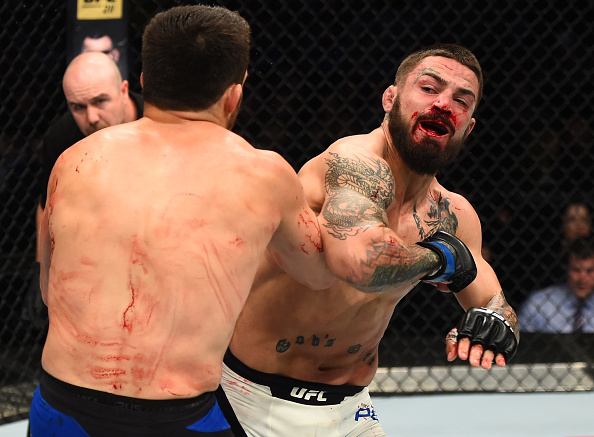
{"points": [[438, 218]]}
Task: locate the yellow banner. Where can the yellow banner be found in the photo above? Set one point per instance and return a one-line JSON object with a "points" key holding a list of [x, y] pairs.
{"points": [[99, 9]]}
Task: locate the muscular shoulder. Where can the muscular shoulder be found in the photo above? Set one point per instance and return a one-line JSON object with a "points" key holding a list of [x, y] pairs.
{"points": [[270, 176], [354, 163], [366, 146], [269, 166]]}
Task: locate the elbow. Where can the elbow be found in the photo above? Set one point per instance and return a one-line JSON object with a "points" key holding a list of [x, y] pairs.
{"points": [[348, 269], [321, 277], [322, 281]]}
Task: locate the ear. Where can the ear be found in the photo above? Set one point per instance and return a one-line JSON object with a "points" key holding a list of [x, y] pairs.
{"points": [[388, 98], [125, 87], [232, 98], [141, 80], [470, 127]]}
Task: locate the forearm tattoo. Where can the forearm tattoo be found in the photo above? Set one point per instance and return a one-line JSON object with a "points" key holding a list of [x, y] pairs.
{"points": [[360, 189], [500, 306], [393, 264], [359, 192]]}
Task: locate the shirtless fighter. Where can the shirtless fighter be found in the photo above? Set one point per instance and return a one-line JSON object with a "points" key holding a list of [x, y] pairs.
{"points": [[151, 238], [300, 360]]}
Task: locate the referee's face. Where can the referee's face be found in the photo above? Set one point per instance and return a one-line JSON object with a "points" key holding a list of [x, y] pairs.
{"points": [[96, 104]]}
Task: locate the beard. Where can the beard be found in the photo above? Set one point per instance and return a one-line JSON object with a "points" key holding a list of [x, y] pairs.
{"points": [[424, 157]]}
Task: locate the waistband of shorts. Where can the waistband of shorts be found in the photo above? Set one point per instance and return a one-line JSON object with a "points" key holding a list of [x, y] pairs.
{"points": [[52, 387], [285, 382]]}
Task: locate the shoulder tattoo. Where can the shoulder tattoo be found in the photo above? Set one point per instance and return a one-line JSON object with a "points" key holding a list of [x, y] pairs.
{"points": [[439, 218], [360, 189]]}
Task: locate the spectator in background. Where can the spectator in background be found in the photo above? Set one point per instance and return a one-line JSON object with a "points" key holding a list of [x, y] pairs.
{"points": [[567, 307], [574, 222], [100, 43], [577, 223]]}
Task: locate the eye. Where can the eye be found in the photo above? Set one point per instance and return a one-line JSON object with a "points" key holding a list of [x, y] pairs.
{"points": [[77, 107], [463, 103], [428, 89]]}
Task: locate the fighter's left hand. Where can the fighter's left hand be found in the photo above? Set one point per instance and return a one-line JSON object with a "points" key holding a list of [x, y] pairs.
{"points": [[475, 355], [483, 337]]}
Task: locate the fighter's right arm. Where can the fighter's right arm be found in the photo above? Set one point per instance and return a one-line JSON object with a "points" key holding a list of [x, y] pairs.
{"points": [[296, 246], [360, 247]]}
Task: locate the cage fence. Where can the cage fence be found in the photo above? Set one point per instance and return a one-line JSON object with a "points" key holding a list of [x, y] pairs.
{"points": [[317, 72]]}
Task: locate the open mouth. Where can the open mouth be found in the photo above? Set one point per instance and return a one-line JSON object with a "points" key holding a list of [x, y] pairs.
{"points": [[434, 128]]}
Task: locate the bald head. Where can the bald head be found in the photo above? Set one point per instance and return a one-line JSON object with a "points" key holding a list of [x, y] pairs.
{"points": [[95, 92], [92, 65]]}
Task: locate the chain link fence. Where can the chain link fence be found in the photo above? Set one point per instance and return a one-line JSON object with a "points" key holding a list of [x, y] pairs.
{"points": [[317, 73]]}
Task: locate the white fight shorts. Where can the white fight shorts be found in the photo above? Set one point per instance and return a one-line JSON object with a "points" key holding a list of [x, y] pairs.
{"points": [[277, 406]]}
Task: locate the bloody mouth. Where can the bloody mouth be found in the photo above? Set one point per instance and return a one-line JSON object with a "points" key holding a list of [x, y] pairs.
{"points": [[433, 128]]}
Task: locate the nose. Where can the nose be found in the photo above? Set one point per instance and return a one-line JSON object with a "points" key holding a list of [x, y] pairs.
{"points": [[442, 103], [92, 115]]}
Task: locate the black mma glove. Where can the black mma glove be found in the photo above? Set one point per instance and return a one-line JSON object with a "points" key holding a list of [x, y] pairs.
{"points": [[489, 329], [457, 263]]}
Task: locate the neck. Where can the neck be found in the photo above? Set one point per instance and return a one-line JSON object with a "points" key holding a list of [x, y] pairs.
{"points": [[171, 116], [413, 186], [131, 111]]}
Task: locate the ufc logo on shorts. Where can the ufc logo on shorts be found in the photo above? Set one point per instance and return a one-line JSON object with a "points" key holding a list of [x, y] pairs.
{"points": [[303, 393]]}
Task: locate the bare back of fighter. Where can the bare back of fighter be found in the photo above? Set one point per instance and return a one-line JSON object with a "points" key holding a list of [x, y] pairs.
{"points": [[332, 337], [145, 284]]}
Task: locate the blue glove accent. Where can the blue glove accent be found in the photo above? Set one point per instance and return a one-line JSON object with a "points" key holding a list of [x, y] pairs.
{"points": [[450, 267], [457, 264]]}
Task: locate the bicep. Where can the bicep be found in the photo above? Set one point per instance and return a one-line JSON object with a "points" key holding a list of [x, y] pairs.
{"points": [[358, 189], [359, 244], [296, 244]]}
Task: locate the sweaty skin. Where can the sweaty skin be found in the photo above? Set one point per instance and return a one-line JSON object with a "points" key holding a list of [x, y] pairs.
{"points": [[150, 241], [372, 210]]}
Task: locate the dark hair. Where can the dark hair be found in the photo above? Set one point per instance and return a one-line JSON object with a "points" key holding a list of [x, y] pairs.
{"points": [[581, 248], [452, 51], [192, 54]]}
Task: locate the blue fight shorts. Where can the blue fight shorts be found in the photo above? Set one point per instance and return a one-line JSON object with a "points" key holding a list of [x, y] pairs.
{"points": [[61, 409]]}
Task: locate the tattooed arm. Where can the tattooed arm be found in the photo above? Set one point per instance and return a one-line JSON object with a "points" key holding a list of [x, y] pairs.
{"points": [[485, 291], [360, 247]]}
